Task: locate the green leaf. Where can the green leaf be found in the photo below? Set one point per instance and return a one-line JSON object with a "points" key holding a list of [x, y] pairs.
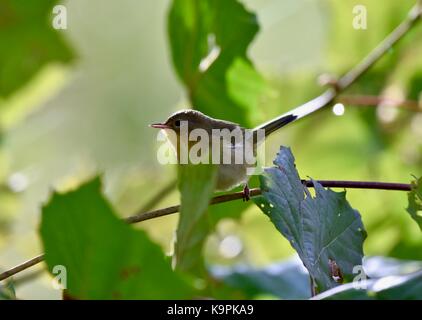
{"points": [[7, 290], [285, 280], [209, 40], [321, 229], [415, 202], [28, 42], [402, 287], [104, 258], [196, 185]]}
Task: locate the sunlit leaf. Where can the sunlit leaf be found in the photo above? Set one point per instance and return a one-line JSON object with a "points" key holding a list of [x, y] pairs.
{"points": [[196, 185], [28, 42], [209, 40], [325, 230], [102, 257], [415, 202]]}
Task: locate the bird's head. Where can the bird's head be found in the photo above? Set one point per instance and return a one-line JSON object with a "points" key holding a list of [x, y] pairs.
{"points": [[192, 118], [185, 121]]}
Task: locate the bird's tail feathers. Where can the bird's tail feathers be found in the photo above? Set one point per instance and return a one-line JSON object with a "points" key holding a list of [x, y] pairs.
{"points": [[297, 113]]}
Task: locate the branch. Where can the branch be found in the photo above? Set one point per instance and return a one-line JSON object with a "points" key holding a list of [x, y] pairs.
{"points": [[340, 85], [413, 17], [21, 267], [256, 192], [226, 198], [324, 99]]}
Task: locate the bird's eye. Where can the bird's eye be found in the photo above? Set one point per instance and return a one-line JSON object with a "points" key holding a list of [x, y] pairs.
{"points": [[177, 123]]}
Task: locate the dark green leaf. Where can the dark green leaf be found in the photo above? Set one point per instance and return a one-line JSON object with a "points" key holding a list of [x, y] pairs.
{"points": [[209, 40], [196, 185], [104, 257], [28, 41], [415, 202], [321, 229]]}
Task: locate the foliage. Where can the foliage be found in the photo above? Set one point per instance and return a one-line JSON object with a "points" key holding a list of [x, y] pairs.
{"points": [[196, 184], [103, 257], [284, 280], [28, 42], [415, 202], [241, 60], [7, 290], [323, 230], [290, 280], [208, 42]]}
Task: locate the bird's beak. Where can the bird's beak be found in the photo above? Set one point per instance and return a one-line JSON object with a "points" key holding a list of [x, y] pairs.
{"points": [[159, 126]]}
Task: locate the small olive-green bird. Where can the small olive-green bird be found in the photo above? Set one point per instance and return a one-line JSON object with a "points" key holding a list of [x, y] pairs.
{"points": [[230, 174]]}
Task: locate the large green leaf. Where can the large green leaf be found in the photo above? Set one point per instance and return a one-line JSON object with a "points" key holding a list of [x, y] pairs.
{"points": [[104, 257], [325, 230], [28, 41], [196, 185], [209, 40], [415, 202]]}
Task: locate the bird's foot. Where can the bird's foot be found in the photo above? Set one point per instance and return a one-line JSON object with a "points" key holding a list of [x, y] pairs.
{"points": [[246, 193]]}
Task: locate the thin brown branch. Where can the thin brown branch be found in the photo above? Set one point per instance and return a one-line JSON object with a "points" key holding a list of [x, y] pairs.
{"points": [[323, 100], [226, 198], [21, 267], [370, 100], [339, 86], [413, 17], [256, 192], [361, 185]]}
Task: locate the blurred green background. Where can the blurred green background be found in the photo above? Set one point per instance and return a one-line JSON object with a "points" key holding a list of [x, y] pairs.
{"points": [[77, 102]]}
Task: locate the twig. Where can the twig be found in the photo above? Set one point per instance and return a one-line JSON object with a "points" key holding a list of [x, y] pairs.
{"points": [[142, 216], [256, 192], [369, 100], [21, 267], [323, 100], [226, 198], [412, 18], [361, 185], [340, 85]]}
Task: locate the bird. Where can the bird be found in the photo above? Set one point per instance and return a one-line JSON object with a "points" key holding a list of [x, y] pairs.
{"points": [[232, 174]]}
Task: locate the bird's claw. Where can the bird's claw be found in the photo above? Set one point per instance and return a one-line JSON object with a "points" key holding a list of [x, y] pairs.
{"points": [[246, 193]]}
